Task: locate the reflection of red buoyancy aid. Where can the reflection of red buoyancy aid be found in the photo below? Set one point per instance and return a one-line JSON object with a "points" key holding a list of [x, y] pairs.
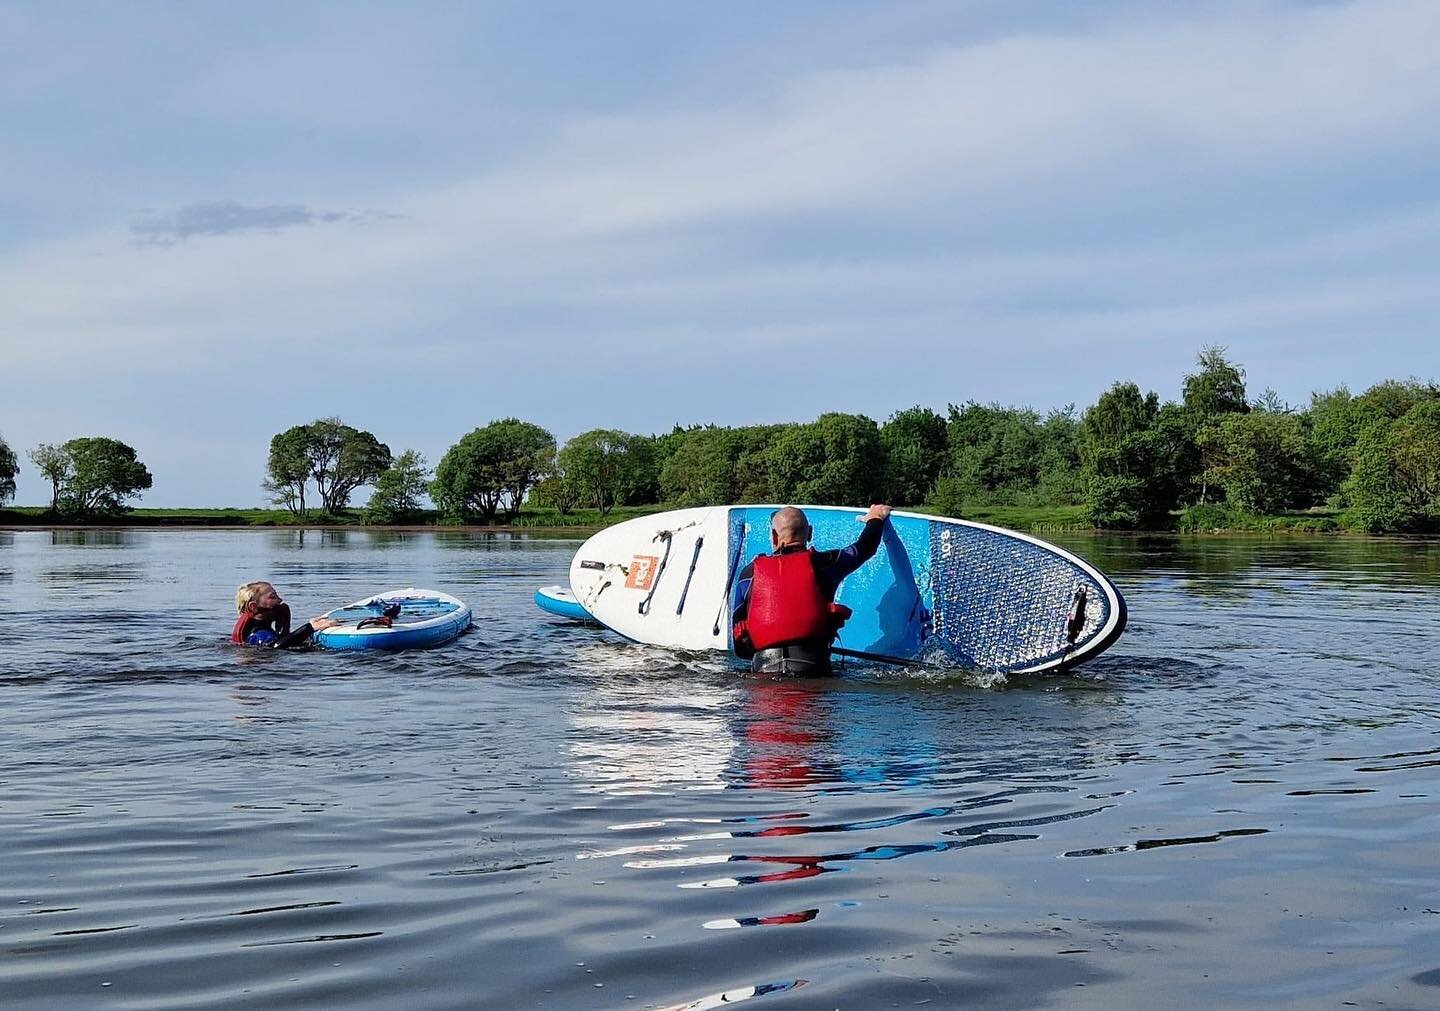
{"points": [[787, 604]]}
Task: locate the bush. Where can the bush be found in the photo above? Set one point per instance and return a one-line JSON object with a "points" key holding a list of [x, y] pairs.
{"points": [[1208, 516]]}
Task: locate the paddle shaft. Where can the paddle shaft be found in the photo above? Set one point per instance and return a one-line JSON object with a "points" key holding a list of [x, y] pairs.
{"points": [[877, 657]]}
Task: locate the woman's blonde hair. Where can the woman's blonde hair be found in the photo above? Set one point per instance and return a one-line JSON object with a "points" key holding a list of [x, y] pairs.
{"points": [[245, 595]]}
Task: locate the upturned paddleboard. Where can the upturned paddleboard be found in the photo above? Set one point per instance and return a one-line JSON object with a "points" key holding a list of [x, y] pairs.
{"points": [[953, 591], [420, 618]]}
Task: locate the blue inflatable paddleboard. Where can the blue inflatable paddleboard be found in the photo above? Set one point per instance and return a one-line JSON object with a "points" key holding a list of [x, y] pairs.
{"points": [[416, 619], [559, 601]]}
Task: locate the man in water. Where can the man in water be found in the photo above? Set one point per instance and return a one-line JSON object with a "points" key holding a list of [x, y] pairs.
{"points": [[264, 619], [787, 616]]}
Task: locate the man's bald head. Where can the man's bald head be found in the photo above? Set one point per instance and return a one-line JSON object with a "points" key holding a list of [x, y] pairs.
{"points": [[789, 526]]}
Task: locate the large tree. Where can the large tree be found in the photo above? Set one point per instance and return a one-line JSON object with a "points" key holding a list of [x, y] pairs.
{"points": [[608, 464], [9, 468], [838, 459], [492, 467], [1129, 445], [398, 491], [1216, 387], [701, 468], [915, 444], [103, 473], [344, 458], [54, 463], [1394, 483], [288, 468], [1261, 459], [337, 457]]}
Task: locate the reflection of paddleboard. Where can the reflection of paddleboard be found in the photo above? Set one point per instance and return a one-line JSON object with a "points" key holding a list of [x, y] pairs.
{"points": [[424, 618], [559, 601], [970, 594]]}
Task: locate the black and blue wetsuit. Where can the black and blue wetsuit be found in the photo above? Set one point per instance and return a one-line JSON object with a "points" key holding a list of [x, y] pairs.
{"points": [[831, 567]]}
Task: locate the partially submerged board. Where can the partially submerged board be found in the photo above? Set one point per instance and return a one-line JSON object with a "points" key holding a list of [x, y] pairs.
{"points": [[425, 618], [962, 593], [559, 601]]}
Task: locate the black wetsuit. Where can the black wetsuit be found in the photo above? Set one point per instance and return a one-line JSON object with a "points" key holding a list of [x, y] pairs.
{"points": [[278, 623], [831, 567]]}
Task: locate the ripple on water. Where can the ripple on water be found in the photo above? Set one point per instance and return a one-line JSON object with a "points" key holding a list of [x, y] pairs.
{"points": [[541, 812]]}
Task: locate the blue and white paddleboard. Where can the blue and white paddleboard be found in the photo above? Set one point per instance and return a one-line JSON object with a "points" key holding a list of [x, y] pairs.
{"points": [[947, 590], [559, 601], [424, 618]]}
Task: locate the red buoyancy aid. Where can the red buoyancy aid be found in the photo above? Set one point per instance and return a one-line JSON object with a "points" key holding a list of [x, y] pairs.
{"points": [[249, 621], [786, 602]]}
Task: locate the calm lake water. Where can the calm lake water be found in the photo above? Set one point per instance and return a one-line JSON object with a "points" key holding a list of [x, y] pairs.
{"points": [[1237, 807]]}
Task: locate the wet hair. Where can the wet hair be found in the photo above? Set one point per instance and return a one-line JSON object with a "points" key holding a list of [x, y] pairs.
{"points": [[245, 595]]}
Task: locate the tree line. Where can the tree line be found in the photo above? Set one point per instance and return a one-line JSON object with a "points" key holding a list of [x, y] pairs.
{"points": [[89, 477], [1128, 461]]}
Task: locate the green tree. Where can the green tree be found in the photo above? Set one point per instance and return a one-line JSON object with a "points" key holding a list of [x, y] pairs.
{"points": [[9, 468], [838, 459], [524, 454], [1057, 479], [1335, 420], [490, 468], [1394, 483], [1216, 387], [752, 468], [54, 463], [1416, 459], [288, 468], [1371, 489], [398, 491], [994, 452], [607, 465], [342, 459], [556, 491], [1393, 398], [701, 468], [915, 449], [103, 473], [1261, 459], [1128, 448]]}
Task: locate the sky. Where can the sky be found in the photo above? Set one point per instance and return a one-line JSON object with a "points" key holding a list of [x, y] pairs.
{"points": [[220, 220]]}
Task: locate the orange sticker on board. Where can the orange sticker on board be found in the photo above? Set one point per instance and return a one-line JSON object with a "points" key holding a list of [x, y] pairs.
{"points": [[642, 572]]}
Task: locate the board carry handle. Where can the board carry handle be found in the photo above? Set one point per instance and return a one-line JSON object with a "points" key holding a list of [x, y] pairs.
{"points": [[730, 579], [668, 536], [694, 559]]}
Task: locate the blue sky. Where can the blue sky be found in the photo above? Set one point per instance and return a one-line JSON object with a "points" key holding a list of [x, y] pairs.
{"points": [[219, 220]]}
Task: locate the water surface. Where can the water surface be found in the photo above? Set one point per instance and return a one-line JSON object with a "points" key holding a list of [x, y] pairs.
{"points": [[1235, 807]]}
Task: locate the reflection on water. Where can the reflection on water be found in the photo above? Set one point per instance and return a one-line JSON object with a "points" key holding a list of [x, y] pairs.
{"points": [[543, 813], [101, 538]]}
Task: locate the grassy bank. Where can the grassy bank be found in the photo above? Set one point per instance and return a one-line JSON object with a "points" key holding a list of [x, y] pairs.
{"points": [[1206, 519], [549, 519]]}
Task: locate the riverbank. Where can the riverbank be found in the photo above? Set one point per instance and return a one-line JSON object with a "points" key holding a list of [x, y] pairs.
{"points": [[1204, 519]]}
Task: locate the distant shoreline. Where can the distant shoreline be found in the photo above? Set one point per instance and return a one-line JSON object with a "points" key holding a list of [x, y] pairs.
{"points": [[1042, 521]]}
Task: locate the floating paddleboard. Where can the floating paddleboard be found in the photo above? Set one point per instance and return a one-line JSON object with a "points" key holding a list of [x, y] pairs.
{"points": [[559, 601], [958, 592], [425, 618]]}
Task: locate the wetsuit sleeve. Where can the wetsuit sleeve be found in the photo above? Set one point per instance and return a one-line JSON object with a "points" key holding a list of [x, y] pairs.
{"points": [[296, 638], [744, 649], [833, 566]]}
